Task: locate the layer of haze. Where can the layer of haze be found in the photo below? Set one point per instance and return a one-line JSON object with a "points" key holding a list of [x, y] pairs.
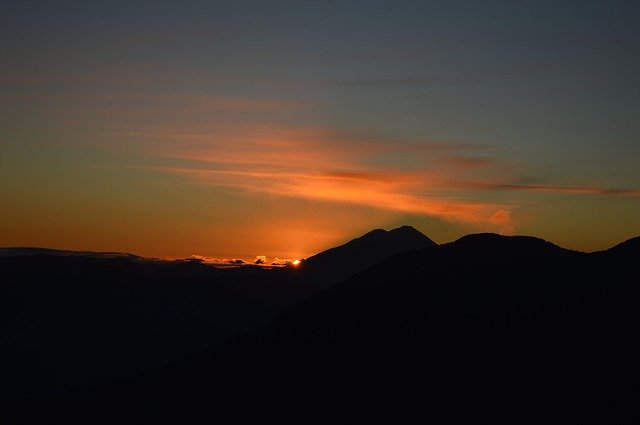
{"points": [[280, 128]]}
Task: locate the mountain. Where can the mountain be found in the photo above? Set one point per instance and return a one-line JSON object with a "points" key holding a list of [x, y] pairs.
{"points": [[628, 249], [70, 321], [17, 251], [74, 319], [336, 264], [511, 329]]}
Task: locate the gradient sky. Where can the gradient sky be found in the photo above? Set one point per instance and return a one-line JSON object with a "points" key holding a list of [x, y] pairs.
{"points": [[233, 129]]}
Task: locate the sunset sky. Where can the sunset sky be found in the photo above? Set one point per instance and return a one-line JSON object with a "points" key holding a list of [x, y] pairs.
{"points": [[233, 129]]}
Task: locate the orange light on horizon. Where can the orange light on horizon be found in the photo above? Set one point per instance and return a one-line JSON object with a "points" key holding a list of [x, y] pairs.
{"points": [[307, 165]]}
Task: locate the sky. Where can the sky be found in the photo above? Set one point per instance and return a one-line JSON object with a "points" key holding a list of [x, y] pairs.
{"points": [[236, 129]]}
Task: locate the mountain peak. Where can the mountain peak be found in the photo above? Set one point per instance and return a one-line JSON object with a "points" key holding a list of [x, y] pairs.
{"points": [[336, 264], [406, 228], [402, 230], [373, 233]]}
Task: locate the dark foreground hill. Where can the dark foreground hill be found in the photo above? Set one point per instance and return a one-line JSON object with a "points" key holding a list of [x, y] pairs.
{"points": [[510, 329], [70, 320]]}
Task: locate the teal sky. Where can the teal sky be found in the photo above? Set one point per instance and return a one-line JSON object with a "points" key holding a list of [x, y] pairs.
{"points": [[281, 128]]}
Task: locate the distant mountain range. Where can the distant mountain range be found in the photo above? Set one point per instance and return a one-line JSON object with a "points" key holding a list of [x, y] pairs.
{"points": [[507, 328], [17, 251], [73, 319]]}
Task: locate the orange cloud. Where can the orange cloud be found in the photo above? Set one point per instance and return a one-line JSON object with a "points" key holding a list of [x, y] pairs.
{"points": [[218, 261], [260, 260], [446, 181], [502, 219], [327, 166]]}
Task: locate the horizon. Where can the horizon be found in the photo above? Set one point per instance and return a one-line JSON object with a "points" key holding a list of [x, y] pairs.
{"points": [[271, 261], [171, 129]]}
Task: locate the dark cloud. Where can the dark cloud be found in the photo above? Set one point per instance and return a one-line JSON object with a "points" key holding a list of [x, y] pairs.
{"points": [[238, 262]]}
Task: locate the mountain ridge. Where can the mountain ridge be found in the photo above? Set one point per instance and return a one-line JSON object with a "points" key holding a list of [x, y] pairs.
{"points": [[335, 264], [32, 250], [632, 243], [503, 325]]}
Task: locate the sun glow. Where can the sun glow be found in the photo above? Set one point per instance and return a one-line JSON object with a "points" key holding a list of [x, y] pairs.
{"points": [[295, 262]]}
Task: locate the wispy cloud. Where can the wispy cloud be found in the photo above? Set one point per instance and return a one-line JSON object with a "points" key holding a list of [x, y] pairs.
{"points": [[111, 75], [427, 80], [329, 166], [502, 219], [393, 82], [588, 190], [463, 183]]}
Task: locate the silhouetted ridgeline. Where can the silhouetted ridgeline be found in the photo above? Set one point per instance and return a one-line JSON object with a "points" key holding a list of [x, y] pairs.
{"points": [[514, 329], [72, 321], [336, 264]]}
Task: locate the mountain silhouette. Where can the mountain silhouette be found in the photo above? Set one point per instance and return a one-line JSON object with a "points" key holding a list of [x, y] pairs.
{"points": [[83, 317], [488, 244], [17, 251], [336, 264], [629, 248], [509, 328], [70, 321]]}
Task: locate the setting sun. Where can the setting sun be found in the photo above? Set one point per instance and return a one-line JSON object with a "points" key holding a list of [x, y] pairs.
{"points": [[210, 205]]}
